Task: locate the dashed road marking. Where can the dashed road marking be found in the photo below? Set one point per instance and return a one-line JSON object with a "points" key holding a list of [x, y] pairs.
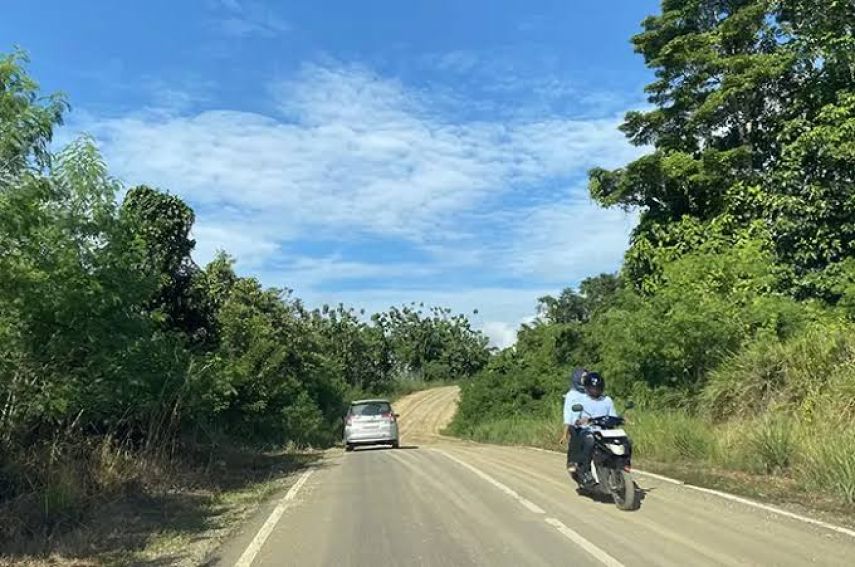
{"points": [[570, 534], [528, 504]]}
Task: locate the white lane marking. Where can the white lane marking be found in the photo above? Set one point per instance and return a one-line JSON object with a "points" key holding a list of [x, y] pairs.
{"points": [[734, 498], [660, 477], [531, 506], [773, 509], [258, 541], [573, 536], [592, 549]]}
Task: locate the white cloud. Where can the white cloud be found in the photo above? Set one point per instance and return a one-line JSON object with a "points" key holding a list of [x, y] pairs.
{"points": [[355, 154], [572, 239], [459, 61], [312, 271], [502, 334], [251, 247]]}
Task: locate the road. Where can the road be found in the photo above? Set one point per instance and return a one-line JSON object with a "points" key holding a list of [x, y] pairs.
{"points": [[441, 502]]}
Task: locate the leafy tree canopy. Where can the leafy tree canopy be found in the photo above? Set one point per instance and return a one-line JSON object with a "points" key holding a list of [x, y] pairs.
{"points": [[752, 119]]}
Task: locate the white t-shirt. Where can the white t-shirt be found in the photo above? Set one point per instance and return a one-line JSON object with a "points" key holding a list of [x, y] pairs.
{"points": [[592, 407], [570, 398]]}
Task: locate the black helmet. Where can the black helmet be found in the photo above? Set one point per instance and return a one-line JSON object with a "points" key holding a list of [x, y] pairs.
{"points": [[593, 381]]}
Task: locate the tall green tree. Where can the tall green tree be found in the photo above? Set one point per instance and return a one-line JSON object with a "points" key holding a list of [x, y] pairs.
{"points": [[75, 339], [27, 119], [747, 94], [571, 306], [162, 224]]}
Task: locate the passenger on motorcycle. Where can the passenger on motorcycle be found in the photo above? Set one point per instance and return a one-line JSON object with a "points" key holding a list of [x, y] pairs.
{"points": [[594, 404], [573, 396]]}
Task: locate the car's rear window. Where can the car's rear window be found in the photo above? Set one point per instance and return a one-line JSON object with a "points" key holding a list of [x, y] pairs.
{"points": [[373, 408]]}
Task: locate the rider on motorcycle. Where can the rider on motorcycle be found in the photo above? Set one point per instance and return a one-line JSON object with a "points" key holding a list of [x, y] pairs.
{"points": [[594, 404], [573, 396]]}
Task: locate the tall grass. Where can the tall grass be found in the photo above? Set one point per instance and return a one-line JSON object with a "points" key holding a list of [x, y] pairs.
{"points": [[822, 462], [49, 486], [827, 463], [776, 408], [813, 374], [70, 495], [774, 442], [536, 431], [671, 436]]}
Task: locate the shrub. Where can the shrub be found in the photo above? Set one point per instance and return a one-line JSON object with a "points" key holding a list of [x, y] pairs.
{"points": [[815, 369], [670, 436], [828, 464], [774, 442], [709, 305]]}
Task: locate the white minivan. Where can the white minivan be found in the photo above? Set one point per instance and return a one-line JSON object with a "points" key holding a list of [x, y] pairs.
{"points": [[370, 422]]}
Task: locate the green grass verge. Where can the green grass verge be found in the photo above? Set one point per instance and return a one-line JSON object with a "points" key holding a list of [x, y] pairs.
{"points": [[771, 457]]}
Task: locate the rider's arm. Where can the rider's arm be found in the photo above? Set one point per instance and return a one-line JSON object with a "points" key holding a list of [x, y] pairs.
{"points": [[568, 416], [569, 400], [612, 412]]}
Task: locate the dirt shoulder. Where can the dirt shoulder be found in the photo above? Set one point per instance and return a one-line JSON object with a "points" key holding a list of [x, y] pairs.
{"points": [[781, 491], [175, 515]]}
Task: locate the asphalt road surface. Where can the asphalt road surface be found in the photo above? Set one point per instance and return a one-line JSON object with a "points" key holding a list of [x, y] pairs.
{"points": [[441, 502]]}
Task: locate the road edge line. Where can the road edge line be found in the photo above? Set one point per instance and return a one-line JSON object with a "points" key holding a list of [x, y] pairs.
{"points": [[774, 509], [727, 496], [264, 532]]}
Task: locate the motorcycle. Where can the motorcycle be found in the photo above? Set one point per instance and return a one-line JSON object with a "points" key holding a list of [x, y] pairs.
{"points": [[611, 463]]}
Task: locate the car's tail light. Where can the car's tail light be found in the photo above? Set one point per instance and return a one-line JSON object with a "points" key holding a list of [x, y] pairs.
{"points": [[388, 415], [349, 420]]}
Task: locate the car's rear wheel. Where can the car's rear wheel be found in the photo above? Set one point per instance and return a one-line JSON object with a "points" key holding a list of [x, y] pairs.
{"points": [[396, 444], [348, 447]]}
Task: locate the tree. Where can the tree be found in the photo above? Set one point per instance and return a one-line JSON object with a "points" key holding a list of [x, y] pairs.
{"points": [[278, 383], [26, 119], [747, 93], [815, 208], [568, 307], [162, 223], [361, 351], [434, 344], [75, 337], [595, 294], [709, 304]]}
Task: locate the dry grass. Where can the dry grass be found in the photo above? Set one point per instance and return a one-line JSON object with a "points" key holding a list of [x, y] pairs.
{"points": [[97, 503]]}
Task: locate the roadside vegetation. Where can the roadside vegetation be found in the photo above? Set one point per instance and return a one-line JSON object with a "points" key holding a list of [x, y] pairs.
{"points": [[130, 376], [731, 323]]}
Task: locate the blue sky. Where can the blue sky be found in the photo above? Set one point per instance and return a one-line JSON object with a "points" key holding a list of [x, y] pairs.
{"points": [[373, 152]]}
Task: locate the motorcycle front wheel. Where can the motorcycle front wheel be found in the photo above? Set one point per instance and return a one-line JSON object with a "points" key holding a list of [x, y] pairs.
{"points": [[624, 491]]}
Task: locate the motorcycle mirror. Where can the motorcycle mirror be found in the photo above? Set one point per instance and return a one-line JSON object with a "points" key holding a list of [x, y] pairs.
{"points": [[630, 404], [576, 407]]}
